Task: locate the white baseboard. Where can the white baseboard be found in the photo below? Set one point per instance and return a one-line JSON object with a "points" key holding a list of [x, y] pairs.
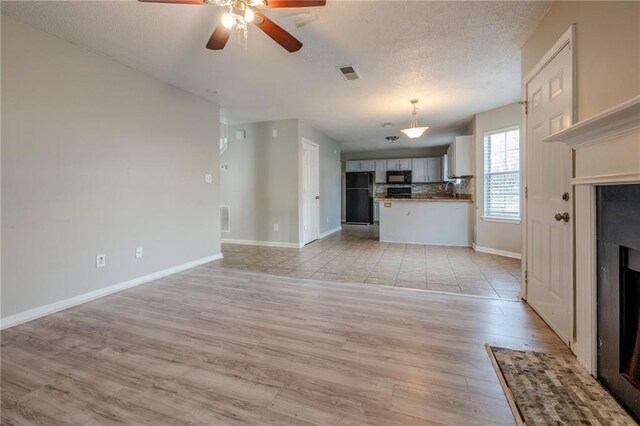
{"points": [[261, 243], [332, 231], [41, 311], [497, 252]]}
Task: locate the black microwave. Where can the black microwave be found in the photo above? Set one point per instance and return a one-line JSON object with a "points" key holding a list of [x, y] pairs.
{"points": [[399, 177]]}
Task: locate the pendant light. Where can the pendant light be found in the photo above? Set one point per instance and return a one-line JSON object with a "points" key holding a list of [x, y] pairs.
{"points": [[414, 132]]}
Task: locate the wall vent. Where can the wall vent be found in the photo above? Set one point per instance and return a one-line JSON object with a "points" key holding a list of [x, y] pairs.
{"points": [[225, 219], [349, 72]]}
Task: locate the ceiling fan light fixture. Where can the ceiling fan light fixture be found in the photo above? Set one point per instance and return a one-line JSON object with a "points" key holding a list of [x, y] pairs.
{"points": [[228, 21], [249, 15], [413, 131]]}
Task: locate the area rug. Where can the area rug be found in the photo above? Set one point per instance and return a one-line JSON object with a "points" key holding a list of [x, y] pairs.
{"points": [[551, 390]]}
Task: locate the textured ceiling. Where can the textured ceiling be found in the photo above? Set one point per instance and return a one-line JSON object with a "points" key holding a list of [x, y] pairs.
{"points": [[458, 58]]}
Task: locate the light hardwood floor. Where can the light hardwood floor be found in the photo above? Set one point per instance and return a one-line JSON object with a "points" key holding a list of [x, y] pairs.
{"points": [[215, 346]]}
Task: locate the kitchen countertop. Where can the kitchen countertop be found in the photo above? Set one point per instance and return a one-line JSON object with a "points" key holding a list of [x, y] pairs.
{"points": [[427, 198]]}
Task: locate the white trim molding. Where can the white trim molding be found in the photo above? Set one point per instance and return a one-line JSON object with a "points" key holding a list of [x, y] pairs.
{"points": [[497, 252], [606, 125], [500, 220], [61, 305], [567, 38], [262, 243], [586, 279], [329, 232], [606, 152]]}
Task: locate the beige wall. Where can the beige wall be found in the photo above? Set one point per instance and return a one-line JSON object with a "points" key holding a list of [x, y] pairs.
{"points": [[607, 50], [500, 236], [97, 158], [261, 182]]}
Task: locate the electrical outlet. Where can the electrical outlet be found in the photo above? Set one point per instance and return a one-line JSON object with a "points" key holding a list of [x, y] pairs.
{"points": [[138, 252], [101, 260], [275, 133], [275, 226], [208, 178]]}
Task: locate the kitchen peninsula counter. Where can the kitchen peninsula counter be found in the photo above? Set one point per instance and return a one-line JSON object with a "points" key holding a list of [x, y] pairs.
{"points": [[465, 199], [426, 220]]}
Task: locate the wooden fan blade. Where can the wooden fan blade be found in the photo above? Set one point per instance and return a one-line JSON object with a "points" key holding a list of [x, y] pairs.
{"points": [[219, 38], [277, 33], [197, 2], [273, 4]]}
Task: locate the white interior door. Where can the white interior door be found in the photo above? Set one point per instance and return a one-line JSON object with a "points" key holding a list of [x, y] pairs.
{"points": [[549, 172], [310, 191]]}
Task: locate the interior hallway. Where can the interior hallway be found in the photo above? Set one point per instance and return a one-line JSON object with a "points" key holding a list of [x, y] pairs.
{"points": [[356, 255]]}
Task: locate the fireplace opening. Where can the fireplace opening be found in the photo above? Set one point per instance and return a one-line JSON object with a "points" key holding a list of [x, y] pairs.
{"points": [[618, 293], [630, 315]]}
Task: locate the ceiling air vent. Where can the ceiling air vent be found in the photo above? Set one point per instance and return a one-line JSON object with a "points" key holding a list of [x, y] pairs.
{"points": [[349, 72]]}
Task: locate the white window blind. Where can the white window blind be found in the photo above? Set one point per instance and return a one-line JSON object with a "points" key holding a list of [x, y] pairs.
{"points": [[502, 174]]}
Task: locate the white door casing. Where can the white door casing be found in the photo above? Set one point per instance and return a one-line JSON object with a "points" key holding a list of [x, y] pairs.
{"points": [[310, 191], [549, 169]]}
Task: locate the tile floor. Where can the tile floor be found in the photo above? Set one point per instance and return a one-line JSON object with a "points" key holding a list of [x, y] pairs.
{"points": [[356, 255]]}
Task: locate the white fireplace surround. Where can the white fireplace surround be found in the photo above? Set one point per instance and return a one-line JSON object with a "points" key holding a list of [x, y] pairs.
{"points": [[606, 151]]}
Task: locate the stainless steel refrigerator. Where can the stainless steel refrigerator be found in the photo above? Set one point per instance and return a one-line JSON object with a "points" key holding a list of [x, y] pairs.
{"points": [[359, 197]]}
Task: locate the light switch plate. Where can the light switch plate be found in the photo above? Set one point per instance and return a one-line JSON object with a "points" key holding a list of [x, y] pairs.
{"points": [[275, 132], [101, 260], [241, 134], [138, 252], [208, 178], [275, 226]]}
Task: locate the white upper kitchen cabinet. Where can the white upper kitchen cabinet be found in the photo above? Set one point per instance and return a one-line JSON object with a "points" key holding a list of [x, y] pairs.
{"points": [[360, 166], [367, 165], [434, 169], [399, 164], [381, 171], [426, 170], [459, 157], [419, 172]]}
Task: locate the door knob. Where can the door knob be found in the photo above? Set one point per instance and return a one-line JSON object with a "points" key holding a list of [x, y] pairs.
{"points": [[317, 197], [562, 216]]}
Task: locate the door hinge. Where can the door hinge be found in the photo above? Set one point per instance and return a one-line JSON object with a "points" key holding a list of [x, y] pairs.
{"points": [[526, 277], [526, 106], [526, 192]]}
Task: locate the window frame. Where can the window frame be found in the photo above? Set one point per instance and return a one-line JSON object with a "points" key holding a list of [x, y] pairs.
{"points": [[486, 216]]}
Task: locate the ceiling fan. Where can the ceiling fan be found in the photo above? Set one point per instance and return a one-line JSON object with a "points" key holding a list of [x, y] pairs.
{"points": [[242, 13]]}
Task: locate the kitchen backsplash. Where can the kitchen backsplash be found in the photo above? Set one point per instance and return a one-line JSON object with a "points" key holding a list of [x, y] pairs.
{"points": [[465, 186]]}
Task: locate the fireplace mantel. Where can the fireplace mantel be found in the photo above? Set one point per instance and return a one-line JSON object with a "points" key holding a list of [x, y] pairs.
{"points": [[619, 118], [606, 146], [606, 150]]}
